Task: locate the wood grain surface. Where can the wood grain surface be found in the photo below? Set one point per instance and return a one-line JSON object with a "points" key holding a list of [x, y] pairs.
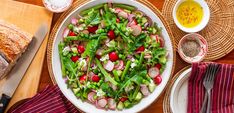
{"points": [[28, 18], [156, 107]]}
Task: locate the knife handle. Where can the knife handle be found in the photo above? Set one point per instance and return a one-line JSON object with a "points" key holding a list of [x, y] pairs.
{"points": [[4, 102]]}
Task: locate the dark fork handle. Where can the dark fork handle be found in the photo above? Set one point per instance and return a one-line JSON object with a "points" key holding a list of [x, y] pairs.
{"points": [[4, 102]]}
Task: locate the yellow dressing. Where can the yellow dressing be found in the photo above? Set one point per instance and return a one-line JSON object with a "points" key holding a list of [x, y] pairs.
{"points": [[189, 13]]}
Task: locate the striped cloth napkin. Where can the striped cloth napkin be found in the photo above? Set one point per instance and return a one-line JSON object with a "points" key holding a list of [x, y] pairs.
{"points": [[50, 100], [222, 94]]}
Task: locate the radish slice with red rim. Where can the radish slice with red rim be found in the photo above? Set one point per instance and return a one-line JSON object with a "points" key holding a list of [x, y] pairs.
{"points": [[145, 90], [74, 21], [109, 66], [101, 103], [91, 97], [153, 72], [120, 65], [111, 104], [123, 14], [136, 30], [66, 32]]}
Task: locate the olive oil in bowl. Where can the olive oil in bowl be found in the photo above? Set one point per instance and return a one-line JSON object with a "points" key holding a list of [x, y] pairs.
{"points": [[189, 13]]}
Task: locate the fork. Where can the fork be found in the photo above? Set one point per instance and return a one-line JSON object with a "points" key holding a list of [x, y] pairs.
{"points": [[208, 83]]}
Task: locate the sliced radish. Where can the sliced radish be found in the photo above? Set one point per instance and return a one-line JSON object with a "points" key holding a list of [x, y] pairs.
{"points": [[145, 90], [130, 17], [74, 21], [66, 32], [136, 30], [109, 66], [158, 39], [148, 56], [111, 104], [120, 65], [146, 24], [101, 103], [91, 97], [131, 23], [67, 48], [123, 14], [153, 72], [117, 10]]}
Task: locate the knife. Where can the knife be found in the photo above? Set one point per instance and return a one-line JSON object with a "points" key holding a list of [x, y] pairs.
{"points": [[17, 73]]}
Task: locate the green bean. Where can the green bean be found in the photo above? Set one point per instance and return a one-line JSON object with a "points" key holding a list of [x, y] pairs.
{"points": [[60, 47], [86, 11], [116, 76], [141, 59], [74, 38], [126, 69], [131, 8]]}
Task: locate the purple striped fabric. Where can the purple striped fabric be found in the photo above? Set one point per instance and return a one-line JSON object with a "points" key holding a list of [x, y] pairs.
{"points": [[222, 94], [50, 100]]}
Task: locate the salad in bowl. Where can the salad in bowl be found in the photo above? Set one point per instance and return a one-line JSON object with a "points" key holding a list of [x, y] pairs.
{"points": [[113, 56]]}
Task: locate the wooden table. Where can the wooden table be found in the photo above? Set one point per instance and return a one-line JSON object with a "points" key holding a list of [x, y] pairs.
{"points": [[156, 107]]}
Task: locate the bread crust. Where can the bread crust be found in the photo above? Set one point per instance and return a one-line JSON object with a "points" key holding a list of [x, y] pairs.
{"points": [[13, 42]]}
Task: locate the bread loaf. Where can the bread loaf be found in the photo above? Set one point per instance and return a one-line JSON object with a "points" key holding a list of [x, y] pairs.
{"points": [[13, 42]]}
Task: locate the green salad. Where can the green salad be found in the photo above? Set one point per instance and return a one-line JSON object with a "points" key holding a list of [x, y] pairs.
{"points": [[112, 56]]}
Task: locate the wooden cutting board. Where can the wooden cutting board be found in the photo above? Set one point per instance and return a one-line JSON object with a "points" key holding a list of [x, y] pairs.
{"points": [[28, 18]]}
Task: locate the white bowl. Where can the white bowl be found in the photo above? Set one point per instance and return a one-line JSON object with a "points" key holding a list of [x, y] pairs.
{"points": [[87, 107], [204, 21]]}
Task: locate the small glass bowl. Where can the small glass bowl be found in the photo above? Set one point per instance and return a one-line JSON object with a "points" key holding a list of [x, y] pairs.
{"points": [[203, 48], [57, 9]]}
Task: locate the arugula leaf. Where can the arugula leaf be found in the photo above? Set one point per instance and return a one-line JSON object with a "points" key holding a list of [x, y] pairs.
{"points": [[93, 18], [90, 51], [137, 77], [71, 67], [109, 91]]}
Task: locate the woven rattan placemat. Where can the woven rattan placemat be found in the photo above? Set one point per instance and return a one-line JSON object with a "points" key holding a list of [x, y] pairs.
{"points": [[219, 32]]}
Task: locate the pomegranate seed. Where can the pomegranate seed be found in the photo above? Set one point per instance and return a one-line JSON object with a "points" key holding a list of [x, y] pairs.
{"points": [[95, 78], [123, 99], [158, 66], [81, 49], [72, 34], [111, 34], [158, 79], [113, 56], [74, 58], [92, 29], [140, 49]]}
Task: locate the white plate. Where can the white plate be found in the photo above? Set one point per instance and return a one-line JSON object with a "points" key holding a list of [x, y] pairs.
{"points": [[85, 106], [179, 93]]}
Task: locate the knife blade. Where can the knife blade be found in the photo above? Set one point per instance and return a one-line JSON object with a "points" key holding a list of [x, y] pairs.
{"points": [[17, 73]]}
